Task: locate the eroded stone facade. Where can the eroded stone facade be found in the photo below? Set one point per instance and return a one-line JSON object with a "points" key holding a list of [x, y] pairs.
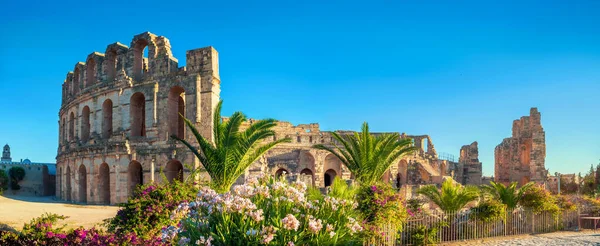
{"points": [[119, 109], [521, 157]]}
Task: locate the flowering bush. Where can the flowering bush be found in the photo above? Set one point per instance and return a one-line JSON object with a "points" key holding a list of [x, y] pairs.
{"points": [[264, 211], [381, 206], [150, 208], [41, 231], [539, 199], [565, 204]]}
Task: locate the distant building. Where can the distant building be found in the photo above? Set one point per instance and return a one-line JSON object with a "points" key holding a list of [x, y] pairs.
{"points": [[39, 178]]}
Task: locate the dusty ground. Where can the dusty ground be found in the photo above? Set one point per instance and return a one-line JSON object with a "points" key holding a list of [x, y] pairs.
{"points": [[17, 210], [587, 237]]}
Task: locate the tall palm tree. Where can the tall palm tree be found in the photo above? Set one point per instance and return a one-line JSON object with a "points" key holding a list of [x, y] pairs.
{"points": [[367, 156], [234, 150], [509, 195], [451, 197]]}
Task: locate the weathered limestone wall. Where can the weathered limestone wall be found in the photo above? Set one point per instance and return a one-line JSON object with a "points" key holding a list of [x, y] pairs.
{"points": [[521, 157], [37, 180]]}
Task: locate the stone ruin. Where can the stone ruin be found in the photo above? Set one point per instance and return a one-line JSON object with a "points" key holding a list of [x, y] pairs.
{"points": [[120, 108], [520, 158]]}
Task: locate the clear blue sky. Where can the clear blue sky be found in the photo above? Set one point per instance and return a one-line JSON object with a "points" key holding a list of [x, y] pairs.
{"points": [[459, 72]]}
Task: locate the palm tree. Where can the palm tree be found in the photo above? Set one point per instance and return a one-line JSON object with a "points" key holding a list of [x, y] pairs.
{"points": [[234, 150], [509, 195], [368, 157], [451, 197]]}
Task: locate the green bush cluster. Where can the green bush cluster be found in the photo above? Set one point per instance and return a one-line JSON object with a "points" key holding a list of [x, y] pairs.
{"points": [[149, 209], [4, 180], [488, 211], [16, 175]]}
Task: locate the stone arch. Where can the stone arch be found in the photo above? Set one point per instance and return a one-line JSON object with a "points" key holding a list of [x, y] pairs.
{"points": [[176, 106], [85, 124], [386, 176], [72, 126], [307, 161], [63, 130], [307, 176], [281, 171], [329, 176], [111, 64], [135, 175], [138, 58], [333, 163], [90, 72], [138, 115], [104, 183], [107, 118], [82, 184], [174, 170], [76, 80], [68, 184]]}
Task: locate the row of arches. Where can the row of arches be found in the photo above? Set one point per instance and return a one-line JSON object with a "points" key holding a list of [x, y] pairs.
{"points": [[89, 73], [135, 176], [175, 105]]}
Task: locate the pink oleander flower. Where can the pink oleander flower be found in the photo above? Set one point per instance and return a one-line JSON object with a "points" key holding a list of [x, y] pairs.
{"points": [[314, 226], [290, 222]]}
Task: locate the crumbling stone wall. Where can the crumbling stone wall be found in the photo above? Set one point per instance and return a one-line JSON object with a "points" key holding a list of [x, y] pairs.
{"points": [[469, 161], [521, 157]]}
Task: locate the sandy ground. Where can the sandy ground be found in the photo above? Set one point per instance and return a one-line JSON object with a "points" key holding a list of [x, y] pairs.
{"points": [[17, 210], [587, 237]]}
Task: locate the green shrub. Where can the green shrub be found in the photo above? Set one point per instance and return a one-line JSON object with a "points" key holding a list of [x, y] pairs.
{"points": [[488, 211], [565, 204], [424, 235], [539, 200], [16, 175], [4, 180], [149, 209], [340, 189]]}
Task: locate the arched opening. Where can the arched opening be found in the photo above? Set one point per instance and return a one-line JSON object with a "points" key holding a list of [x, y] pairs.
{"points": [[104, 183], [386, 176], [139, 61], [85, 124], [90, 73], [280, 172], [63, 130], [59, 179], [138, 114], [111, 65], [82, 184], [136, 176], [72, 127], [307, 176], [176, 105], [329, 176], [68, 184], [174, 170], [107, 121], [76, 81]]}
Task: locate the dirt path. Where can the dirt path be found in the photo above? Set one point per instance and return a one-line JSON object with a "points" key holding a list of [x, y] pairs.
{"points": [[17, 210]]}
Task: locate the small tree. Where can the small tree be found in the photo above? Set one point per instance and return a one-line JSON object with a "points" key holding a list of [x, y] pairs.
{"points": [[451, 197], [4, 180], [508, 195], [16, 175]]}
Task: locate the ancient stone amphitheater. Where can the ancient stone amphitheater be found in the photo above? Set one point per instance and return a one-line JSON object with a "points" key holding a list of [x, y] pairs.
{"points": [[119, 109]]}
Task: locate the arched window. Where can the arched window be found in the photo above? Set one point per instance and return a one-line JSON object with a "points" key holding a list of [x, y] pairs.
{"points": [[76, 81], [281, 171], [111, 65], [104, 183], [90, 73], [85, 124], [63, 130], [138, 114], [68, 184], [306, 176], [59, 179], [176, 106], [138, 59], [107, 119], [174, 170], [72, 127], [82, 184], [329, 176], [136, 176]]}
